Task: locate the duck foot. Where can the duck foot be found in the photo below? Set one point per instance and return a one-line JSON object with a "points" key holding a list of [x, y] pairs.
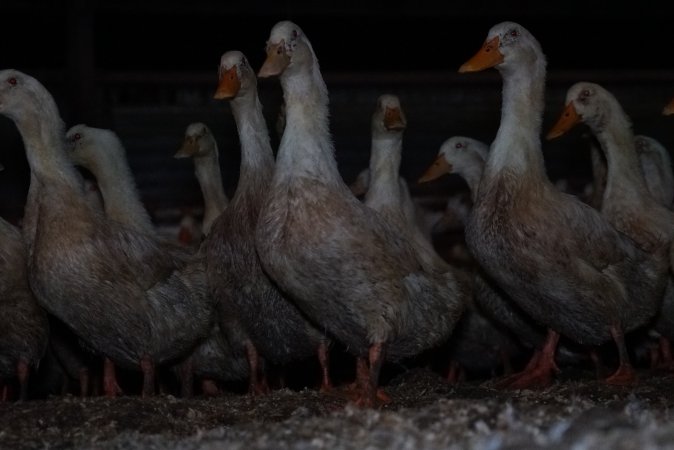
{"points": [[209, 388], [186, 378], [624, 376], [368, 394], [539, 371]]}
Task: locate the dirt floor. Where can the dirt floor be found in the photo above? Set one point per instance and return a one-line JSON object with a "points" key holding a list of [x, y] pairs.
{"points": [[427, 412]]}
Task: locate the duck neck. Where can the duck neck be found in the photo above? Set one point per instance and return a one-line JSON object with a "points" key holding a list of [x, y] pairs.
{"points": [[257, 157], [385, 158], [517, 146], [306, 148], [43, 134], [207, 171], [472, 174], [624, 178], [121, 199]]}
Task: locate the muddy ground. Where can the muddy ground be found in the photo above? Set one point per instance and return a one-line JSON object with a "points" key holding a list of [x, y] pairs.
{"points": [[427, 412]]}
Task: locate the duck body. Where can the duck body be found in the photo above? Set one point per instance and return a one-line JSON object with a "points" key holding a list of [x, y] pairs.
{"points": [[539, 273], [24, 323]]}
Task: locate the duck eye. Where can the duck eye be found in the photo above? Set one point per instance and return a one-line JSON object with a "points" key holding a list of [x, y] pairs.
{"points": [[514, 33], [12, 81], [459, 145], [294, 34], [77, 137]]}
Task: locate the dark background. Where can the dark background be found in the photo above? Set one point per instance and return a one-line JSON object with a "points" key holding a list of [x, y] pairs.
{"points": [[146, 69]]}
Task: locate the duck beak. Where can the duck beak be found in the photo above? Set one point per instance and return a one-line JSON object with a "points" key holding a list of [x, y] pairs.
{"points": [[488, 56], [189, 148], [439, 167], [394, 119], [567, 120], [229, 84], [669, 109], [276, 62]]}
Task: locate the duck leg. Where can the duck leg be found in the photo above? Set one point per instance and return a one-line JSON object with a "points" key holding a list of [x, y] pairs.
{"points": [[258, 383], [368, 380], [539, 370], [625, 374], [84, 381], [666, 361], [148, 369], [110, 386], [186, 378], [324, 361], [22, 372], [455, 373]]}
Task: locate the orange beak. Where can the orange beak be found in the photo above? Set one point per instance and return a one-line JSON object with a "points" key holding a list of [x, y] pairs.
{"points": [[488, 56], [669, 109], [439, 167], [276, 62], [394, 120], [566, 121], [229, 84]]}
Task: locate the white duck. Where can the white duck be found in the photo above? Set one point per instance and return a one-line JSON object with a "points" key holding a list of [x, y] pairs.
{"points": [[347, 269], [278, 330], [466, 157], [122, 292], [223, 355], [635, 209], [558, 258], [199, 144]]}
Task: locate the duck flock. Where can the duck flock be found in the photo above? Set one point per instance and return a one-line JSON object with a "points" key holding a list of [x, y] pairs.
{"points": [[296, 267]]}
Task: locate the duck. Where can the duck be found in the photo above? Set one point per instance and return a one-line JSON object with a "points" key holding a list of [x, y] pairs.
{"points": [[473, 331], [280, 334], [222, 357], [24, 322], [589, 283], [638, 205], [200, 145], [101, 152], [348, 269], [512, 327], [387, 192], [119, 289]]}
